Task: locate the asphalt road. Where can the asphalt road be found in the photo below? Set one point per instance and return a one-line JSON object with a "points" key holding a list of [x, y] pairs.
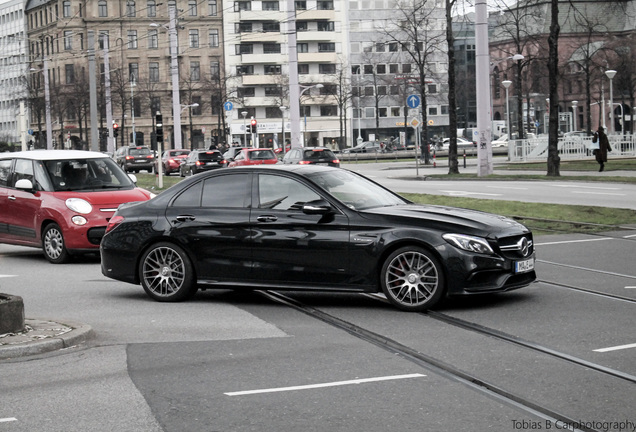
{"points": [[230, 361]]}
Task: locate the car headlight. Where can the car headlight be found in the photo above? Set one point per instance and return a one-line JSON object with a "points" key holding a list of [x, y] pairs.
{"points": [[79, 205], [469, 243]]}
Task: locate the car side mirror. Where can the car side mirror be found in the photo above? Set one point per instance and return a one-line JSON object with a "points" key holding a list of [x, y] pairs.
{"points": [[133, 178], [25, 185], [319, 207]]}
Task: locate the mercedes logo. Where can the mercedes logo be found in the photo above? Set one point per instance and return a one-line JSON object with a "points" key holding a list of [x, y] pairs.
{"points": [[523, 246]]}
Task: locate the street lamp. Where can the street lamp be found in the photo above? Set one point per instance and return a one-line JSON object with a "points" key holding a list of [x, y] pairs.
{"points": [[507, 84], [132, 107], [244, 114], [610, 74], [304, 89], [574, 105]]}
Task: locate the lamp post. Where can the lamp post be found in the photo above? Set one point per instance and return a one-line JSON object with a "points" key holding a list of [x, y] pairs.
{"points": [[506, 84], [244, 114], [304, 89], [132, 107], [610, 74], [574, 105], [283, 110]]}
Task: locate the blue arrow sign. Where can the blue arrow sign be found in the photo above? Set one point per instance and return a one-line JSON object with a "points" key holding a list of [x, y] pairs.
{"points": [[413, 101], [228, 106]]}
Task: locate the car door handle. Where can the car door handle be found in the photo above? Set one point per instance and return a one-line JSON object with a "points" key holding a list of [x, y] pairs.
{"points": [[267, 218], [12, 198], [185, 218]]}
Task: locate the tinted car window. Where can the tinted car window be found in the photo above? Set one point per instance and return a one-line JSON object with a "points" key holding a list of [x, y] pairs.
{"points": [[226, 191], [318, 154], [139, 151], [262, 155], [283, 193], [191, 197], [210, 156]]}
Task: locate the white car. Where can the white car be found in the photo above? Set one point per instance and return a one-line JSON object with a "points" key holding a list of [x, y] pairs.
{"points": [[461, 143], [502, 141]]}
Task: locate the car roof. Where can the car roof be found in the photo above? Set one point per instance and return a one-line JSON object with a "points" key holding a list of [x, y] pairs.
{"points": [[300, 169], [54, 155]]}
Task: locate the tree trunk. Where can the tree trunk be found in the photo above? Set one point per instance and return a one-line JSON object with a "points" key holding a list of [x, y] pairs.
{"points": [[553, 69]]}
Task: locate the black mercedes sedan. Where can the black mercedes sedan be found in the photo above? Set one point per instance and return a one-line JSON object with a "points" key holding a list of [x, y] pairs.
{"points": [[308, 227]]}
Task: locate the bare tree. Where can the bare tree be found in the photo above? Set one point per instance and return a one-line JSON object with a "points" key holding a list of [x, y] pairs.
{"points": [[342, 93], [554, 161], [453, 166]]}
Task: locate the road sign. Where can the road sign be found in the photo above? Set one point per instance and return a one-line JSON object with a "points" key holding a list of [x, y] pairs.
{"points": [[30, 131], [228, 106], [414, 122], [413, 101]]}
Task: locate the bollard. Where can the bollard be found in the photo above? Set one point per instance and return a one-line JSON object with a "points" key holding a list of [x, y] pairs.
{"points": [[464, 158]]}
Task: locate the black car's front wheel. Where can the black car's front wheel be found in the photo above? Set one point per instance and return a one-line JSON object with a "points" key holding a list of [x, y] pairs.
{"points": [[166, 273], [412, 279]]}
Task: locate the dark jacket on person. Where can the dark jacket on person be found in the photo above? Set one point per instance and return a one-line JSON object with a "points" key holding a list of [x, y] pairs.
{"points": [[603, 146]]}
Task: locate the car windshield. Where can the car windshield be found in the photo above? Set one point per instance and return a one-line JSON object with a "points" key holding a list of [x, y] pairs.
{"points": [[180, 153], [262, 155], [356, 192], [318, 154], [85, 174]]}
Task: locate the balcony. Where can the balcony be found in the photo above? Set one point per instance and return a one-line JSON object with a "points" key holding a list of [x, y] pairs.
{"points": [[318, 57], [318, 36], [258, 58], [252, 80], [261, 15]]}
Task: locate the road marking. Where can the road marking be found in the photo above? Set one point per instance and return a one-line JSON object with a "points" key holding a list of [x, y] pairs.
{"points": [[4, 276], [464, 193], [586, 187], [630, 287], [331, 384], [616, 348], [574, 241], [8, 419], [506, 187], [630, 236], [597, 193]]}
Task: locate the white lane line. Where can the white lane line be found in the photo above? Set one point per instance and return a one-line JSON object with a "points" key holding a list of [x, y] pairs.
{"points": [[8, 419], [616, 348], [574, 241], [465, 193], [5, 276], [597, 193], [506, 187], [586, 187], [331, 384], [630, 287], [630, 236]]}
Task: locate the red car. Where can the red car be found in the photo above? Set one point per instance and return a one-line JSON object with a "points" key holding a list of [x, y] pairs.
{"points": [[172, 160], [61, 200], [254, 156]]}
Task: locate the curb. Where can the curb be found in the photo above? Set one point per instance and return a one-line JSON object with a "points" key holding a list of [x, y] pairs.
{"points": [[39, 340]]}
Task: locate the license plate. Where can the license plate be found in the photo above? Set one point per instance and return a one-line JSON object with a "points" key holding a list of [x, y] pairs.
{"points": [[212, 163], [141, 161], [524, 266]]}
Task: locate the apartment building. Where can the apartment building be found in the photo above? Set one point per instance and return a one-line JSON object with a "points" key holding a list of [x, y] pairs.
{"points": [[135, 34], [13, 64]]}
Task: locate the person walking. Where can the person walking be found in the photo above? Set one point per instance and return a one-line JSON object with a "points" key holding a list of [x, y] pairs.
{"points": [[603, 147]]}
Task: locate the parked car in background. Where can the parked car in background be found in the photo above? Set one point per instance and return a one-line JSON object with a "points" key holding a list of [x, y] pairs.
{"points": [[172, 160], [311, 155], [502, 141], [61, 200], [201, 160], [308, 227], [254, 156], [364, 147], [461, 144], [135, 158]]}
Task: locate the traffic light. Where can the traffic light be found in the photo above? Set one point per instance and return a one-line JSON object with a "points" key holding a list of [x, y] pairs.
{"points": [[253, 124], [115, 130], [248, 129], [159, 129]]}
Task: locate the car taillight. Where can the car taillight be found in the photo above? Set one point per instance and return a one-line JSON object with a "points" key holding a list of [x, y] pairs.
{"points": [[304, 162], [113, 222], [129, 157], [336, 161], [149, 157], [198, 163]]}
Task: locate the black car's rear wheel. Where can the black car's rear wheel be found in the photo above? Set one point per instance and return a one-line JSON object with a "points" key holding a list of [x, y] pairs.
{"points": [[166, 273], [53, 244], [412, 279]]}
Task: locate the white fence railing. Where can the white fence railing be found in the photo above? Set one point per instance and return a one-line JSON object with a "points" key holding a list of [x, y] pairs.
{"points": [[569, 148]]}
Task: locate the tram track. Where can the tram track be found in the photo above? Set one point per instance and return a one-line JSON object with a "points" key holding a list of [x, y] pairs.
{"points": [[448, 370]]}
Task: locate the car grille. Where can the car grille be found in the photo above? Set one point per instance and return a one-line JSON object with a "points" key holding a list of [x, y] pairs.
{"points": [[95, 235], [516, 247]]}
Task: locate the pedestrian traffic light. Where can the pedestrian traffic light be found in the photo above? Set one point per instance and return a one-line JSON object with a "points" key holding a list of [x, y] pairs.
{"points": [[115, 130], [253, 124], [159, 129]]}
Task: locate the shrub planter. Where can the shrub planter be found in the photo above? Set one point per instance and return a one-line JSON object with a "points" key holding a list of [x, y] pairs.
{"points": [[11, 314]]}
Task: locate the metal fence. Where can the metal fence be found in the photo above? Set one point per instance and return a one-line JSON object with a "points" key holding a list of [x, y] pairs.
{"points": [[569, 148]]}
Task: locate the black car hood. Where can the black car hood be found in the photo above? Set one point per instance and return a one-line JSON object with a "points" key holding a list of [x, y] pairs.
{"points": [[453, 218]]}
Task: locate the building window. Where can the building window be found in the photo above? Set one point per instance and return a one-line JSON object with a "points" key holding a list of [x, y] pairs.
{"points": [[242, 6], [69, 71], [270, 6], [444, 109], [302, 47], [368, 91], [432, 88], [326, 26], [215, 70], [194, 38], [214, 38], [324, 5], [272, 91], [271, 48], [102, 8], [406, 68], [300, 5], [302, 26], [326, 47], [271, 26], [272, 69], [212, 8], [245, 70], [245, 92], [395, 112], [380, 47], [382, 112], [394, 90], [303, 69], [328, 111], [305, 111], [273, 112], [133, 71], [368, 69], [102, 38], [380, 69], [369, 112], [196, 110], [393, 47], [155, 105], [192, 8], [195, 71], [68, 40], [153, 39], [432, 111], [328, 68], [243, 27], [131, 10], [382, 91], [151, 8], [153, 72], [394, 68], [244, 49], [66, 10], [132, 39]]}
